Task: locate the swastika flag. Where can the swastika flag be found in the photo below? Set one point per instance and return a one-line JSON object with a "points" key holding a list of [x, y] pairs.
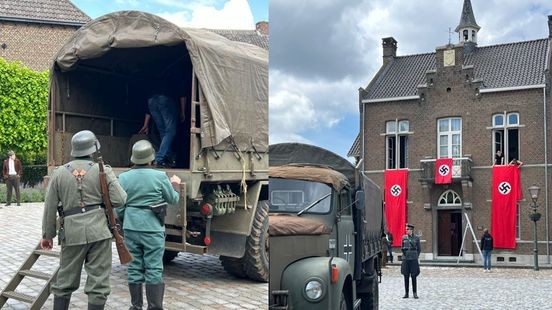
{"points": [[443, 171], [395, 202], [506, 191]]}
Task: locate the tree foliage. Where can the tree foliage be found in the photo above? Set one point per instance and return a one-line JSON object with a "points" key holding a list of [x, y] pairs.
{"points": [[23, 110]]}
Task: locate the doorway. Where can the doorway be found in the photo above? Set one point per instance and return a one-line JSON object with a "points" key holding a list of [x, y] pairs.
{"points": [[449, 232]]}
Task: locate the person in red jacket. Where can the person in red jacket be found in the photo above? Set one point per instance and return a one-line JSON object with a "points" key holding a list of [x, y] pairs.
{"points": [[12, 174]]}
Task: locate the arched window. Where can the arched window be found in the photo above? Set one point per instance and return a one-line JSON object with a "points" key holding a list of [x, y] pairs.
{"points": [[449, 199], [465, 33], [473, 35]]}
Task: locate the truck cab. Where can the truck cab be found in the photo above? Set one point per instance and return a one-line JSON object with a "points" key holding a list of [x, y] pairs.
{"points": [[322, 254]]}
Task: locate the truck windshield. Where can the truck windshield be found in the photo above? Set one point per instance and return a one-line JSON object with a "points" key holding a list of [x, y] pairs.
{"points": [[294, 195]]}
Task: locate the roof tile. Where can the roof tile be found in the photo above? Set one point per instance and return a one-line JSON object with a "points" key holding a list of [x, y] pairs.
{"points": [[44, 11]]}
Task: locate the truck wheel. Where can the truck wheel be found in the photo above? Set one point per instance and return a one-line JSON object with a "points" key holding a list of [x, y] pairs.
{"points": [[343, 304], [371, 300], [168, 256], [233, 266], [256, 263]]}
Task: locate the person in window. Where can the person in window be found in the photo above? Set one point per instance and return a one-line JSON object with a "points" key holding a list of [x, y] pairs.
{"points": [[487, 248], [499, 158], [410, 266], [516, 162]]}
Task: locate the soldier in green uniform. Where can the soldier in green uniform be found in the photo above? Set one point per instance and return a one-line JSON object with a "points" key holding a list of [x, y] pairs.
{"points": [[410, 267], [74, 193], [149, 191]]}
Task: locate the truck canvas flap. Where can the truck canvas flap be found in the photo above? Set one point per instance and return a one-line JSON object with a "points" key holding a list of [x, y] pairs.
{"points": [[233, 75]]}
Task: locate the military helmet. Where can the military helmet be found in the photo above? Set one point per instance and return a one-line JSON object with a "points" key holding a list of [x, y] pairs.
{"points": [[142, 153], [84, 143]]}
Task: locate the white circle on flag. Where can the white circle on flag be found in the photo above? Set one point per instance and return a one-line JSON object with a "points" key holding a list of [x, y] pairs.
{"points": [[504, 188], [444, 170], [395, 190]]}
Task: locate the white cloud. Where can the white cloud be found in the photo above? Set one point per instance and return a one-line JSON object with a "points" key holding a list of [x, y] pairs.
{"points": [[236, 14]]}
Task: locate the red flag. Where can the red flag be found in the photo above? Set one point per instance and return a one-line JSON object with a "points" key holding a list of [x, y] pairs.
{"points": [[443, 171], [395, 202], [506, 191]]}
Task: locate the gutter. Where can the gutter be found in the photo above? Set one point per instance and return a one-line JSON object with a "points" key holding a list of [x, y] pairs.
{"points": [[501, 89], [415, 97], [42, 21]]}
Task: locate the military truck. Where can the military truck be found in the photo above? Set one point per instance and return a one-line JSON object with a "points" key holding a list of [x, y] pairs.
{"points": [[100, 80], [326, 224]]}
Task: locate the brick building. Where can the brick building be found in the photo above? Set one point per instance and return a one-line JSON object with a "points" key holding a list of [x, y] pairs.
{"points": [[32, 31], [466, 102]]}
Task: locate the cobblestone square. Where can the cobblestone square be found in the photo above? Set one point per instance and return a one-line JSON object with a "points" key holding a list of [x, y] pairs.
{"points": [[192, 281]]}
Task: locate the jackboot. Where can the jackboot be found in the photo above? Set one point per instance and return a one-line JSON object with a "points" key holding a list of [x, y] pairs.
{"points": [[154, 295], [136, 296], [61, 303], [414, 287], [95, 307], [405, 287]]}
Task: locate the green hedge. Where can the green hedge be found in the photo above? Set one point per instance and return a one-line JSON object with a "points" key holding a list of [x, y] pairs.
{"points": [[23, 106], [27, 194]]}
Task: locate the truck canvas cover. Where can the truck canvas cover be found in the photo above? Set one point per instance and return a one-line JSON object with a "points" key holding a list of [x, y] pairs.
{"points": [[233, 75]]}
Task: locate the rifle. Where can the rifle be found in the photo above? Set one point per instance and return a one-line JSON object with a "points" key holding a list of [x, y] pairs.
{"points": [[124, 255]]}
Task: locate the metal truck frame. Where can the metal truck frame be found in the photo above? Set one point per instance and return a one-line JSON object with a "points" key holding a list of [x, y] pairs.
{"points": [[324, 252], [98, 82]]}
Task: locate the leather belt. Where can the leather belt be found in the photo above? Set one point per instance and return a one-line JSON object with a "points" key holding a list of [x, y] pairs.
{"points": [[82, 210]]}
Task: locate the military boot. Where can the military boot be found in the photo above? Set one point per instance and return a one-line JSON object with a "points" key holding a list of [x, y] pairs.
{"points": [[405, 287], [414, 287], [61, 303], [136, 297], [95, 307], [154, 295]]}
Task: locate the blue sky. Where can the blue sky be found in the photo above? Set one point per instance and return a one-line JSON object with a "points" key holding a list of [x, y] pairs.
{"points": [[323, 51], [234, 14]]}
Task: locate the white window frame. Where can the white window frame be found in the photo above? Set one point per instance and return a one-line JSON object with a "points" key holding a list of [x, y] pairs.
{"points": [[502, 129], [398, 132], [449, 134]]}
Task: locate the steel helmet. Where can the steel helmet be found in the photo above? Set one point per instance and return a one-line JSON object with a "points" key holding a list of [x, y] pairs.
{"points": [[84, 143], [142, 153]]}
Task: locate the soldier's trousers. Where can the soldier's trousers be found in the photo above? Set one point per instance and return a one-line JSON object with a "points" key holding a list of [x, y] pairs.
{"points": [[147, 250], [96, 257]]}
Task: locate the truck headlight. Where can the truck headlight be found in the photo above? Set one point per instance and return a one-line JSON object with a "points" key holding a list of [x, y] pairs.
{"points": [[314, 289]]}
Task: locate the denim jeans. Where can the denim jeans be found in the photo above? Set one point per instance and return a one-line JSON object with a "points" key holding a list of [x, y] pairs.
{"points": [[487, 259], [164, 112], [390, 252]]}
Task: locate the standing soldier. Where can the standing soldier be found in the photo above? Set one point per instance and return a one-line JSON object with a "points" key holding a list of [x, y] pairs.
{"points": [[143, 218], [75, 194], [410, 267]]}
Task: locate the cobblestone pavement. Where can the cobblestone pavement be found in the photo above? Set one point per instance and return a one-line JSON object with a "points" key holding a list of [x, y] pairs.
{"points": [[192, 281], [469, 288]]}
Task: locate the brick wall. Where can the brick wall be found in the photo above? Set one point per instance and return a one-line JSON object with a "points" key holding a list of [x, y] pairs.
{"points": [[476, 112], [33, 44]]}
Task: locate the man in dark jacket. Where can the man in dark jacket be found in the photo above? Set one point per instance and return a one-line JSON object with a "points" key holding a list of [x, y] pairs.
{"points": [[487, 248], [410, 267], [12, 174]]}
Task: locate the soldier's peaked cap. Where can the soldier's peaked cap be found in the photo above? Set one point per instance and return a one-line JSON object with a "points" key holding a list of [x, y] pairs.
{"points": [[410, 226], [84, 143]]}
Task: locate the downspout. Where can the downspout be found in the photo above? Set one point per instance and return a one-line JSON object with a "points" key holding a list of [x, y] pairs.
{"points": [[545, 123]]}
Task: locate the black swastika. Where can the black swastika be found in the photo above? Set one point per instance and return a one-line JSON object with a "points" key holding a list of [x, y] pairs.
{"points": [[504, 188], [444, 170]]}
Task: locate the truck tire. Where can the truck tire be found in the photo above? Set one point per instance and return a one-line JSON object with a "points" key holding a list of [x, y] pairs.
{"points": [[343, 303], [233, 266], [256, 262], [370, 300], [168, 256]]}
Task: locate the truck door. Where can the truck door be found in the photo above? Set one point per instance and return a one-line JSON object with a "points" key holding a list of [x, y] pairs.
{"points": [[345, 228]]}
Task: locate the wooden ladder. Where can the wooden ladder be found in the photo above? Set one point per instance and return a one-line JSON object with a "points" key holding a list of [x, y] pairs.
{"points": [[36, 302]]}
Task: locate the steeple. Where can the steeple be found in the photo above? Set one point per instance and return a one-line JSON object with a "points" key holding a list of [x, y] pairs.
{"points": [[467, 28]]}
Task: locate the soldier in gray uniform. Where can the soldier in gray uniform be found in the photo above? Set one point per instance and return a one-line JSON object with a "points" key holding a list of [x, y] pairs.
{"points": [[149, 190], [410, 267], [74, 193]]}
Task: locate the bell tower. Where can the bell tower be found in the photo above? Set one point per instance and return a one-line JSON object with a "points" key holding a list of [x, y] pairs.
{"points": [[467, 28]]}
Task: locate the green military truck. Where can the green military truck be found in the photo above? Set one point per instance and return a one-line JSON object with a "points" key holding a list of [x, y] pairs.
{"points": [[326, 223], [100, 80]]}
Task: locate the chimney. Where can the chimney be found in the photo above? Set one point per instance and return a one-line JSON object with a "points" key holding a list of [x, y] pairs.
{"points": [[262, 28], [550, 26], [389, 49]]}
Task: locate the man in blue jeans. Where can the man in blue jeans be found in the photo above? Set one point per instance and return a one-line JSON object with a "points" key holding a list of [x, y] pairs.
{"points": [[166, 115], [487, 247]]}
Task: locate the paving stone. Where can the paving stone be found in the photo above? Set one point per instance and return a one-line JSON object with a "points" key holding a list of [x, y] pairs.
{"points": [[193, 282]]}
